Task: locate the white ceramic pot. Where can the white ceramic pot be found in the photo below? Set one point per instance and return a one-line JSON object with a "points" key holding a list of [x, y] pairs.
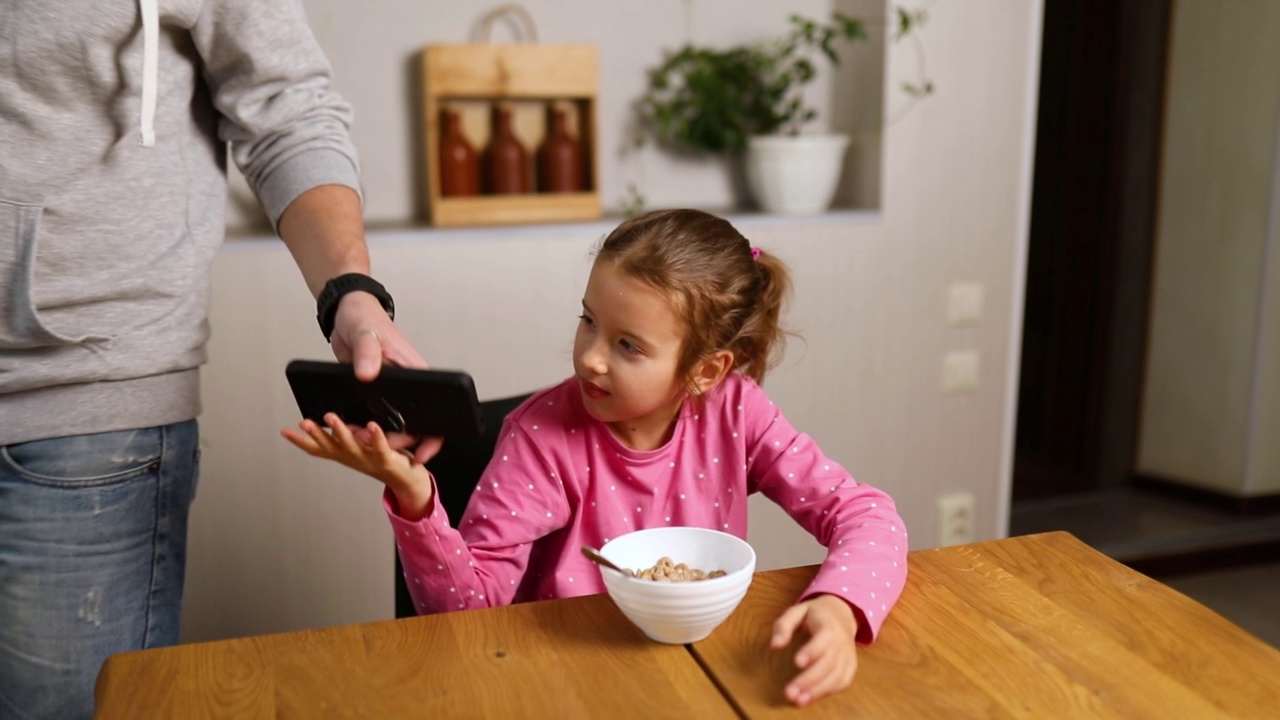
{"points": [[794, 174]]}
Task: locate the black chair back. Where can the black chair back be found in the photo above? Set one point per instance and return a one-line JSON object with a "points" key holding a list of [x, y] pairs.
{"points": [[457, 469]]}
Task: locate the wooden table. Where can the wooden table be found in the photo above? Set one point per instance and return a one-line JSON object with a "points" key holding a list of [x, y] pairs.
{"points": [[573, 658], [1040, 626]]}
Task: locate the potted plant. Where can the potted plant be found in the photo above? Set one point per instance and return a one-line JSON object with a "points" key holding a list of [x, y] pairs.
{"points": [[749, 101]]}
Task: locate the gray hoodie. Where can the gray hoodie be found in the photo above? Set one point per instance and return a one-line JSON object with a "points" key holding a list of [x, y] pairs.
{"points": [[114, 119]]}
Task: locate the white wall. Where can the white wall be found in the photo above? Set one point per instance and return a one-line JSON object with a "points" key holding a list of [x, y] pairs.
{"points": [[1210, 408], [280, 541]]}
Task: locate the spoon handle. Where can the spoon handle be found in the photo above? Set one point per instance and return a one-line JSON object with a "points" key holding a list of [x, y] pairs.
{"points": [[594, 556]]}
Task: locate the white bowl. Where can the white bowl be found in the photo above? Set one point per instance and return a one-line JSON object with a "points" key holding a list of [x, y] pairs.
{"points": [[679, 612]]}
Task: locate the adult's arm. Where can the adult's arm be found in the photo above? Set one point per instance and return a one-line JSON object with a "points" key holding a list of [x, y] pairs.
{"points": [[324, 230], [289, 134]]}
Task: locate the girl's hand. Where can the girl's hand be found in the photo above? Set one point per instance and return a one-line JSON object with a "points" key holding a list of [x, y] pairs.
{"points": [[829, 659], [370, 454]]}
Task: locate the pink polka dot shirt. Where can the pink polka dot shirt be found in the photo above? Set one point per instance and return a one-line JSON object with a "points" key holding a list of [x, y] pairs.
{"points": [[559, 480]]}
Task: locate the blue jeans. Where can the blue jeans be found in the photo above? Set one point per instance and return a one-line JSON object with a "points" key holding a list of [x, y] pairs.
{"points": [[93, 545]]}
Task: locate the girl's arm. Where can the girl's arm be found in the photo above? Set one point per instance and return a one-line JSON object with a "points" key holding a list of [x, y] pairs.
{"points": [[487, 560], [866, 541], [483, 563], [866, 548]]}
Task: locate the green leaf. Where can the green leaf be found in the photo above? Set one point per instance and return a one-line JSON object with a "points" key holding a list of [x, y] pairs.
{"points": [[710, 100]]}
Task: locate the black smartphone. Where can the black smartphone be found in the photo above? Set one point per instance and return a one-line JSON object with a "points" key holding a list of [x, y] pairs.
{"points": [[430, 403]]}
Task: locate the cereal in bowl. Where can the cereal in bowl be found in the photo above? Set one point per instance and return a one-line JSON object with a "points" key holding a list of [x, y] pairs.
{"points": [[667, 570]]}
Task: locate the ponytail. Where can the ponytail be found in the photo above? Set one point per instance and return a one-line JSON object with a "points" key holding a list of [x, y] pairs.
{"points": [[760, 343]]}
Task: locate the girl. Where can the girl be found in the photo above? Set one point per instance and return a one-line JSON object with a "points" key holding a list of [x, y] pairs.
{"points": [[662, 423]]}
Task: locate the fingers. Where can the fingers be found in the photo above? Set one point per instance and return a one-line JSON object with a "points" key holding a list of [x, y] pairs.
{"points": [[366, 354], [427, 450], [370, 348], [382, 455], [378, 439], [819, 644], [313, 439], [322, 439], [828, 660], [397, 349], [784, 627], [340, 435], [366, 337], [301, 440], [829, 671], [400, 441], [364, 449]]}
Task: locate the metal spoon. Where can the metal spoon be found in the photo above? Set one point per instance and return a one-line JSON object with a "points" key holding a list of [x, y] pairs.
{"points": [[594, 556]]}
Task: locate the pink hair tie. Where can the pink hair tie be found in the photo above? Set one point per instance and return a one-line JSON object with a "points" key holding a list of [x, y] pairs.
{"points": [[755, 253]]}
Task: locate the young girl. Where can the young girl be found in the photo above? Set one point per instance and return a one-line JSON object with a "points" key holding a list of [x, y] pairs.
{"points": [[662, 423]]}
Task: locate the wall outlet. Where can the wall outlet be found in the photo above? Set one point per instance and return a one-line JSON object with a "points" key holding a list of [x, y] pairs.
{"points": [[956, 518]]}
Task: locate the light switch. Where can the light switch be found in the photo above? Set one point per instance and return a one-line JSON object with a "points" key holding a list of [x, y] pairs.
{"points": [[964, 303], [960, 372]]}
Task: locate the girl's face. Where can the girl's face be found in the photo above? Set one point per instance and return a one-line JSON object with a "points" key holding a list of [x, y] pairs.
{"points": [[625, 355]]}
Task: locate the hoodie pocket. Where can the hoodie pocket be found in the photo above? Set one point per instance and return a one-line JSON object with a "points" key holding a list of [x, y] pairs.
{"points": [[20, 325]]}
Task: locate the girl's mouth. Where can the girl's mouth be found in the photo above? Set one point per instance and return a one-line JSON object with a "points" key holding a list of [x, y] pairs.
{"points": [[591, 390]]}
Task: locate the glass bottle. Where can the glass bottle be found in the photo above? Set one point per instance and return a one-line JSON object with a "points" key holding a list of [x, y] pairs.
{"points": [[560, 167], [459, 164], [506, 161]]}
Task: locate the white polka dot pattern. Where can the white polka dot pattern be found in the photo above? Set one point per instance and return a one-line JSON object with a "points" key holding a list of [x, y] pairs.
{"points": [[573, 480]]}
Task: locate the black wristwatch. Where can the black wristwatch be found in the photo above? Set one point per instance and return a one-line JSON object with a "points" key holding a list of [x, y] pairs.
{"points": [[327, 303]]}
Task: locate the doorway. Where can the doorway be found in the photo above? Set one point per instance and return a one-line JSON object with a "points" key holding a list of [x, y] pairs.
{"points": [[1091, 254], [1089, 258]]}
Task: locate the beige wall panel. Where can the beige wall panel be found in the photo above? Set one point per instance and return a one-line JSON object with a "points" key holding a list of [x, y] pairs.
{"points": [[1216, 174]]}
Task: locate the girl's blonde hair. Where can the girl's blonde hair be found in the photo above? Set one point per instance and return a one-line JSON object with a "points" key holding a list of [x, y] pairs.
{"points": [[728, 294]]}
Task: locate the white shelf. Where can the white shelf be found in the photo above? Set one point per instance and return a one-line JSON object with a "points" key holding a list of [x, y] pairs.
{"points": [[394, 235]]}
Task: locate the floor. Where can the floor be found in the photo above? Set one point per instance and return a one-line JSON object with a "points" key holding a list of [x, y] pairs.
{"points": [[1226, 562], [1247, 596]]}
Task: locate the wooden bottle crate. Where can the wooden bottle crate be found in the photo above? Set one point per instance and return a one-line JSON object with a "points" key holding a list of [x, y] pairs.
{"points": [[520, 73]]}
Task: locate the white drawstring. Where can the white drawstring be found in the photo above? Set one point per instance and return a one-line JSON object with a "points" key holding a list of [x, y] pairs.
{"points": [[150, 68]]}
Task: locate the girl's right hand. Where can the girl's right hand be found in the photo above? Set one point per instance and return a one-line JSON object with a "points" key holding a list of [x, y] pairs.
{"points": [[372, 455]]}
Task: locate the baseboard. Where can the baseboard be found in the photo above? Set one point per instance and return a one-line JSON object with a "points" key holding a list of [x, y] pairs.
{"points": [[1253, 506], [1206, 559]]}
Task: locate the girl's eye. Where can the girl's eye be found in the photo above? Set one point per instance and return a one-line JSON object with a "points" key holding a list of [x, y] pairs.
{"points": [[586, 320], [629, 347]]}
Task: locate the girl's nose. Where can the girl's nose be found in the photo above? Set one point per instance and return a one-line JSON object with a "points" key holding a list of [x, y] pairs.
{"points": [[593, 359]]}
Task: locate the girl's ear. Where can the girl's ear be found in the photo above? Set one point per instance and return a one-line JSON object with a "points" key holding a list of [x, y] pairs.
{"points": [[710, 370]]}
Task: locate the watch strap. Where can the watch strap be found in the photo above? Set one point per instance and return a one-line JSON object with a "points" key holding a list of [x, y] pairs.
{"points": [[336, 288]]}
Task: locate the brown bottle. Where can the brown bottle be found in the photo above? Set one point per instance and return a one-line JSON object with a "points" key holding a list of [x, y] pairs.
{"points": [[506, 161], [459, 165], [560, 167]]}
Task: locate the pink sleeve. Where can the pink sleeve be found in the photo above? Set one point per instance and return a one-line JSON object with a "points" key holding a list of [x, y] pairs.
{"points": [[483, 562], [866, 541]]}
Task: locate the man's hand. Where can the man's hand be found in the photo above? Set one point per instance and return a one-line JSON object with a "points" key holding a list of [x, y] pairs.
{"points": [[364, 336], [324, 230]]}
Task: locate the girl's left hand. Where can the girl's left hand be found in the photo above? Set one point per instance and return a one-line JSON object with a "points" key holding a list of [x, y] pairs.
{"points": [[829, 659]]}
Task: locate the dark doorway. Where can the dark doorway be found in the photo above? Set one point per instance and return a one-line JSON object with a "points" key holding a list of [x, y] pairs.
{"points": [[1090, 251], [1089, 270]]}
